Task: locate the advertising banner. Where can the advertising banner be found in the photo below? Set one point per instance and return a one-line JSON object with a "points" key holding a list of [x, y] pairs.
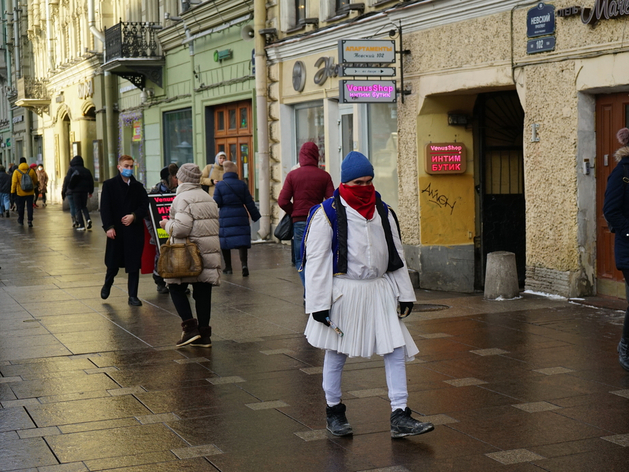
{"points": [[159, 209], [367, 91]]}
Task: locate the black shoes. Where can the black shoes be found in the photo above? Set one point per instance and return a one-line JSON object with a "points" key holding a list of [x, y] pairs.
{"points": [[336, 420], [402, 424], [135, 301], [89, 224], [104, 292], [623, 354], [204, 340], [162, 288], [228, 271], [245, 271], [30, 224]]}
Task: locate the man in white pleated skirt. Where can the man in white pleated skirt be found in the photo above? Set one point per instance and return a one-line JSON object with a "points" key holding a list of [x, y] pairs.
{"points": [[355, 279]]}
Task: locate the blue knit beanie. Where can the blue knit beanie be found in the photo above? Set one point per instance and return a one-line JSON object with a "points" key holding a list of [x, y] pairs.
{"points": [[354, 166]]}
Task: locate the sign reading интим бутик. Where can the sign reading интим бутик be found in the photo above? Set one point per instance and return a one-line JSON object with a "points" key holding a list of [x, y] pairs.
{"points": [[445, 158]]}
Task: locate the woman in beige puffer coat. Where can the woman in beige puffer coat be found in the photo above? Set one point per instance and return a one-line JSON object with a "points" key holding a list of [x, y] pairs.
{"points": [[194, 215]]}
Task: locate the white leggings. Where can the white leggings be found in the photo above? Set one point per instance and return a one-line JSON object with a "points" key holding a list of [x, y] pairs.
{"points": [[394, 367]]}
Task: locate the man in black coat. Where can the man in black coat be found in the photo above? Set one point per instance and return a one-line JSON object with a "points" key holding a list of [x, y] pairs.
{"points": [[123, 206]]}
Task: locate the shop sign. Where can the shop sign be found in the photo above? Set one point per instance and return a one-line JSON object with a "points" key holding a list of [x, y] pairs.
{"points": [[540, 45], [366, 51], [540, 21], [327, 68], [159, 206], [601, 10], [445, 158], [137, 131], [367, 91]]}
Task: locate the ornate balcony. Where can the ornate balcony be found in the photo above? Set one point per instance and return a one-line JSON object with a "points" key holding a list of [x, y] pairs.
{"points": [[33, 94], [133, 52]]}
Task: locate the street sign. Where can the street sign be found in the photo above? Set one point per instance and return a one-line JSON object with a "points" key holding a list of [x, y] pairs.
{"points": [[367, 91], [540, 45], [367, 71], [366, 51], [540, 20]]}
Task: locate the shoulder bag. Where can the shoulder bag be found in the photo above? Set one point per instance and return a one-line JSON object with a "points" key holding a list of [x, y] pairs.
{"points": [[284, 229], [179, 260]]}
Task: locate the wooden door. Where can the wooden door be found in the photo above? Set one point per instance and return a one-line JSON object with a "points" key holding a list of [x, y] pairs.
{"points": [[612, 112], [233, 134]]}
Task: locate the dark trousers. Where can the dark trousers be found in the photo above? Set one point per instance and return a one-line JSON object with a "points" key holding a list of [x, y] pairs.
{"points": [[227, 255], [132, 283], [625, 326], [80, 204], [21, 202], [202, 294]]}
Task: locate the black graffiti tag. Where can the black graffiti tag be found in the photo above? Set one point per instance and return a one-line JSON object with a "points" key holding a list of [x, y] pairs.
{"points": [[435, 197]]}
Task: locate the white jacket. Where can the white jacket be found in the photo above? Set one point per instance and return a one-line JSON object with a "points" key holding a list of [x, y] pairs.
{"points": [[194, 215]]}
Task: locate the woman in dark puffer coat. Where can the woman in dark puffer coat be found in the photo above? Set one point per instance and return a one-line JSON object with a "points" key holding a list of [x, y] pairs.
{"points": [[235, 205]]}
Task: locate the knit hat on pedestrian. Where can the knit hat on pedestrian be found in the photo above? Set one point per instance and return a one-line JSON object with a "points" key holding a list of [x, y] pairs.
{"points": [[623, 136], [163, 174], [189, 173], [354, 166]]}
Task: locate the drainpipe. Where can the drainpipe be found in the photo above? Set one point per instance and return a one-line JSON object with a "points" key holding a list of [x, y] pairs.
{"points": [[259, 16], [110, 117], [16, 42]]}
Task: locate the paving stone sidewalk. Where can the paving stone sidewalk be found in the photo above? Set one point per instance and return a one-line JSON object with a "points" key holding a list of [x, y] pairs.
{"points": [[87, 384]]}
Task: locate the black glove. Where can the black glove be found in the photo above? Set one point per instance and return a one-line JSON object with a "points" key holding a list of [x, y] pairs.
{"points": [[321, 316], [405, 309]]}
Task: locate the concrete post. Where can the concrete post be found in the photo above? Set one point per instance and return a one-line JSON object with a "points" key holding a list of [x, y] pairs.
{"points": [[501, 276]]}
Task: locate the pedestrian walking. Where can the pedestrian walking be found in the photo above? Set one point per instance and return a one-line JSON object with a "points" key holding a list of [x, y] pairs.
{"points": [[42, 178], [67, 193], [355, 278], [5, 192], [23, 185], [167, 184], [33, 166], [81, 183], [194, 215], [124, 205], [235, 207], [213, 173], [304, 187], [12, 168], [616, 211]]}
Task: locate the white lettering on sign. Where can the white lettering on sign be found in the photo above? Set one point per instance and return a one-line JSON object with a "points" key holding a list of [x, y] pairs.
{"points": [[536, 20]]}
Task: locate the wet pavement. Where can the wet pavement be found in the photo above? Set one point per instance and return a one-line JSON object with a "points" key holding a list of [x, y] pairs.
{"points": [[87, 384]]}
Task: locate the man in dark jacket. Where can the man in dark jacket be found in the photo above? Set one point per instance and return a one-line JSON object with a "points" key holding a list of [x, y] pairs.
{"points": [[124, 205], [306, 186], [79, 185]]}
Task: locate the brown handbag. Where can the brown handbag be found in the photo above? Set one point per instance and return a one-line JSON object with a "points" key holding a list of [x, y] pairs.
{"points": [[179, 260]]}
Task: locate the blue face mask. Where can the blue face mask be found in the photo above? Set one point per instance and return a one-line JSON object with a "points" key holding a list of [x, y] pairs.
{"points": [[126, 172]]}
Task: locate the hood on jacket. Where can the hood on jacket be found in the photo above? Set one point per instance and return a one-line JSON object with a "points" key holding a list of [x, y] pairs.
{"points": [[76, 161], [309, 155], [621, 153], [24, 167]]}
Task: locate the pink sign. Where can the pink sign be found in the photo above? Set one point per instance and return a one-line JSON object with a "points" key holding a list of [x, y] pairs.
{"points": [[445, 158]]}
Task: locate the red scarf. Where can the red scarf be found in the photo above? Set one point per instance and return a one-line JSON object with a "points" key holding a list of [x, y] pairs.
{"points": [[361, 198]]}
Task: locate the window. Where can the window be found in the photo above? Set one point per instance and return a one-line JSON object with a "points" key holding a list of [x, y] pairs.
{"points": [[178, 137], [309, 126], [382, 135], [300, 11], [340, 4]]}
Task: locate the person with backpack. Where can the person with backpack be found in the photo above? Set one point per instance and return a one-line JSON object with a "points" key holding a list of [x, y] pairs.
{"points": [[5, 191], [356, 278], [81, 184], [23, 185]]}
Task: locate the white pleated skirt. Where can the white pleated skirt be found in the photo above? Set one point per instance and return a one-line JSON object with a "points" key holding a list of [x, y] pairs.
{"points": [[366, 312]]}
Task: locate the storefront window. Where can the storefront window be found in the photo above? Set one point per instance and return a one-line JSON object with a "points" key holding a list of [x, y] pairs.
{"points": [[309, 126], [383, 150], [132, 142], [178, 137]]}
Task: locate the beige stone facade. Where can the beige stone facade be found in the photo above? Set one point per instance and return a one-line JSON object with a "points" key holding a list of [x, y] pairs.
{"points": [[461, 53]]}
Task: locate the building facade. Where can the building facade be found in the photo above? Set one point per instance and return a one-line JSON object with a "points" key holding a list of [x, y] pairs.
{"points": [[521, 101]]}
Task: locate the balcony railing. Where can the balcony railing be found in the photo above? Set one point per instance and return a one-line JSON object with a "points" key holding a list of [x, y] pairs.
{"points": [[130, 40], [29, 88]]}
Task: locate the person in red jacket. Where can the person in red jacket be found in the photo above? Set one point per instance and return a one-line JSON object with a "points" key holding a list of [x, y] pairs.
{"points": [[304, 188]]}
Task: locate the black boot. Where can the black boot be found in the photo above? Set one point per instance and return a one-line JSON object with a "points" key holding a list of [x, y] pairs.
{"points": [[402, 424], [623, 353], [204, 340], [336, 420], [190, 332]]}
